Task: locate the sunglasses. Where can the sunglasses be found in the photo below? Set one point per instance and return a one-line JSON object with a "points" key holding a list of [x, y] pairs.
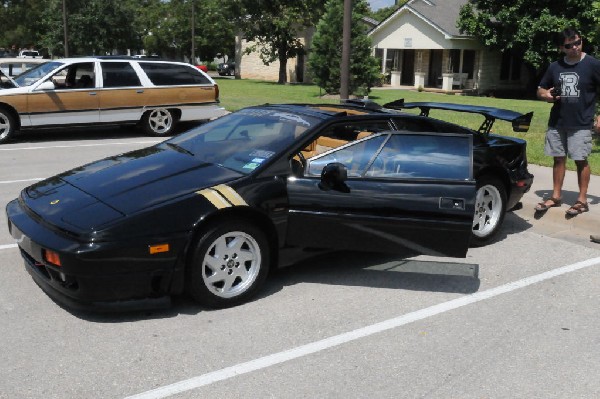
{"points": [[569, 46]]}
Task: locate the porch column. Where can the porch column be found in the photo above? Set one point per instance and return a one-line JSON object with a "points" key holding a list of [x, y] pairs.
{"points": [[447, 79], [419, 80], [383, 60], [396, 78]]}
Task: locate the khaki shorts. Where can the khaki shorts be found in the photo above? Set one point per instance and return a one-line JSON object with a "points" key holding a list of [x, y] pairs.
{"points": [[573, 142]]}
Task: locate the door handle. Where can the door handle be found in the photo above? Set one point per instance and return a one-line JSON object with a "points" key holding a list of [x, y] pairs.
{"points": [[92, 93], [452, 203], [139, 91]]}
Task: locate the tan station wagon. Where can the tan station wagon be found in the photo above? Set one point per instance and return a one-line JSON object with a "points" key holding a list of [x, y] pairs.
{"points": [[93, 91]]}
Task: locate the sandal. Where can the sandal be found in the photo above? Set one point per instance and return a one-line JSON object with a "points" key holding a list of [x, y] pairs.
{"points": [[542, 206], [577, 208]]}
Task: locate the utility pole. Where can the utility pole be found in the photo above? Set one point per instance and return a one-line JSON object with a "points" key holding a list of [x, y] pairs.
{"points": [[193, 35], [66, 37], [345, 67]]}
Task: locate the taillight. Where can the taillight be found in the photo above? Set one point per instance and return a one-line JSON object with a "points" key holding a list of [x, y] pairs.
{"points": [[51, 257]]}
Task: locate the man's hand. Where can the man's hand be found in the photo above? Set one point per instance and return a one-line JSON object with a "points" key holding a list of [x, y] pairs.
{"points": [[597, 125], [546, 95]]}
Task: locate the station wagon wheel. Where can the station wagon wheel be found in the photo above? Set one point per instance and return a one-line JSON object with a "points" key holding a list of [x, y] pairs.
{"points": [[230, 263], [7, 125], [158, 122], [490, 207]]}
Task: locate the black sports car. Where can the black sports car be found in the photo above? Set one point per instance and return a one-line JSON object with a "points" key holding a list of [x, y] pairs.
{"points": [[211, 210]]}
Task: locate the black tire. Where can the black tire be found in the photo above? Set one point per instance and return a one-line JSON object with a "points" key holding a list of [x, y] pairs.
{"points": [[490, 208], [7, 125], [229, 264], [159, 122]]}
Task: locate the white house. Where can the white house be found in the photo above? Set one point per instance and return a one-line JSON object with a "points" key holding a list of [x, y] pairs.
{"points": [[419, 45]]}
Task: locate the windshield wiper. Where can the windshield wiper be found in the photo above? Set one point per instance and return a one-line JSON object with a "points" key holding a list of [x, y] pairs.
{"points": [[179, 148]]}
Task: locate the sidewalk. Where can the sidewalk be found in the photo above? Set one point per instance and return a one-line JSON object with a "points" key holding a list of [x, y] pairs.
{"points": [[555, 222]]}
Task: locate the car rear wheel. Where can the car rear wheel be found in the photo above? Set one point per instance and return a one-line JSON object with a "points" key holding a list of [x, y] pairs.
{"points": [[490, 208], [230, 263], [7, 125], [158, 122]]}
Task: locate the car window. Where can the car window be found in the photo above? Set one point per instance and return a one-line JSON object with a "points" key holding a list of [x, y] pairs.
{"points": [[356, 157], [164, 74], [75, 76], [350, 131], [119, 74], [246, 139], [34, 74], [423, 156]]}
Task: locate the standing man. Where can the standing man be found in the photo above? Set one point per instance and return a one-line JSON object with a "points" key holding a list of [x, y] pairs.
{"points": [[571, 85]]}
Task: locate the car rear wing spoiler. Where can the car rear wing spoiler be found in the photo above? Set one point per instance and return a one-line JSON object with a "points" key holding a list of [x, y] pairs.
{"points": [[520, 122]]}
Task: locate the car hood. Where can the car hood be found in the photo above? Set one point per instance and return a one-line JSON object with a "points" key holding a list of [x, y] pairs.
{"points": [[104, 191]]}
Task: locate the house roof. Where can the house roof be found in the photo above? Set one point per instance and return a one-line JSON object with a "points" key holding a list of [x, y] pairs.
{"points": [[441, 14]]}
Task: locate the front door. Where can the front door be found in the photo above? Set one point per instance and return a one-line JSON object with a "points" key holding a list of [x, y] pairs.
{"points": [[73, 101], [408, 68], [404, 192]]}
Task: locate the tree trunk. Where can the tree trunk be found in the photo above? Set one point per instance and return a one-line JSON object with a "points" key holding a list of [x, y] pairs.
{"points": [[282, 65]]}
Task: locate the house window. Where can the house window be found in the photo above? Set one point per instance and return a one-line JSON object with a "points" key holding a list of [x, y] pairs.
{"points": [[511, 66]]}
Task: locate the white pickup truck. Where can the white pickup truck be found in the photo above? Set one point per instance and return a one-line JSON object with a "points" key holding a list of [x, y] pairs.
{"points": [[29, 54]]}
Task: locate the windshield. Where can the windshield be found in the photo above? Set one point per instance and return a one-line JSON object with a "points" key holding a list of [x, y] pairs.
{"points": [[34, 74], [244, 140]]}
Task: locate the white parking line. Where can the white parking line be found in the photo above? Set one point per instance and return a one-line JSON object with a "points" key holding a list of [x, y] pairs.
{"points": [[8, 246], [81, 145], [21, 181], [304, 350]]}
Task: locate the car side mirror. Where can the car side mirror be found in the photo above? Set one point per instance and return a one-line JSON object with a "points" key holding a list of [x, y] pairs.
{"points": [[333, 177], [48, 85]]}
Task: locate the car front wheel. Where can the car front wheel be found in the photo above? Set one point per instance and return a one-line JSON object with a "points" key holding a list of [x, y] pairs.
{"points": [[490, 207], [158, 122], [7, 125], [230, 263]]}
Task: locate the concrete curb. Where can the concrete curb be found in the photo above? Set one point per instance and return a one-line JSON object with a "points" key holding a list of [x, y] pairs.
{"points": [[555, 222]]}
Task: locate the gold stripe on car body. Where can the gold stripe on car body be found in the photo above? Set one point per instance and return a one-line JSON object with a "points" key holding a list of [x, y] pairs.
{"points": [[222, 196], [215, 198], [231, 195]]}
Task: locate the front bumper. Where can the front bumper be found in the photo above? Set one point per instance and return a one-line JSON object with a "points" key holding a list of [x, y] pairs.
{"points": [[101, 276]]}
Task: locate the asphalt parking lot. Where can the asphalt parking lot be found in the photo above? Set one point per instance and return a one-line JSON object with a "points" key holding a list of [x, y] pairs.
{"points": [[515, 319]]}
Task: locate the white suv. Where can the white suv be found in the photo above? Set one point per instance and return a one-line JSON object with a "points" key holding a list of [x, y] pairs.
{"points": [[29, 54], [107, 90]]}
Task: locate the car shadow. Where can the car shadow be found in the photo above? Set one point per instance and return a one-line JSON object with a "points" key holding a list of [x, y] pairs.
{"points": [[513, 224], [359, 269]]}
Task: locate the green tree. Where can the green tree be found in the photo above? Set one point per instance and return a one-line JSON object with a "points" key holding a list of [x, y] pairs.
{"points": [[527, 27], [326, 55], [95, 27], [275, 27], [21, 23], [165, 28], [385, 12]]}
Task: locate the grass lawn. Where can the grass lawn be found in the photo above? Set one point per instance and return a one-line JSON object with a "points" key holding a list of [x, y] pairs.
{"points": [[236, 94]]}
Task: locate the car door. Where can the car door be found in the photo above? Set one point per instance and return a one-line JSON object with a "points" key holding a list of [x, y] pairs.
{"points": [[403, 192], [72, 101], [122, 96]]}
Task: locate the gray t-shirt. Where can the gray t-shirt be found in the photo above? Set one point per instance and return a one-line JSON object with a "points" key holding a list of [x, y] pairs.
{"points": [[578, 84]]}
